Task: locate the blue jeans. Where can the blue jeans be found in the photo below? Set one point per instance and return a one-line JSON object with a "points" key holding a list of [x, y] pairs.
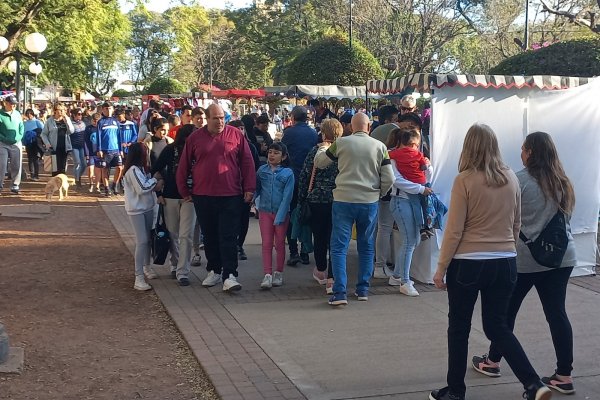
{"points": [[408, 216], [80, 163], [344, 215]]}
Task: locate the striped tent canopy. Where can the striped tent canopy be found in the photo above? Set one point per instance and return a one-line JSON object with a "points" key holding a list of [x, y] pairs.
{"points": [[426, 82]]}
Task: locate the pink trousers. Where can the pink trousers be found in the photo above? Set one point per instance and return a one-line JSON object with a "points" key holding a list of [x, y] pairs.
{"points": [[272, 235]]}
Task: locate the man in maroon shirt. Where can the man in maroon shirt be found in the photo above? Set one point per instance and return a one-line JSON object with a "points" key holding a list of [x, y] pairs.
{"points": [[218, 160]]}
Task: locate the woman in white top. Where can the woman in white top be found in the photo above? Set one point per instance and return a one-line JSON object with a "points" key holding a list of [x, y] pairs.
{"points": [[140, 201]]}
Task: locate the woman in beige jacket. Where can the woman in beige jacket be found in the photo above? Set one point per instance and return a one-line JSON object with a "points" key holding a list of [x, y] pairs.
{"points": [[478, 255]]}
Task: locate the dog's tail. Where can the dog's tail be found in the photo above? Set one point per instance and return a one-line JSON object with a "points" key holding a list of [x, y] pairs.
{"points": [[71, 181]]}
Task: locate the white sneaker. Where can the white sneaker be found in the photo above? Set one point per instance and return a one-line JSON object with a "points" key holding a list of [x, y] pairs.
{"points": [[267, 282], [211, 279], [393, 281], [149, 272], [382, 273], [140, 283], [409, 289], [196, 260], [231, 284], [277, 278]]}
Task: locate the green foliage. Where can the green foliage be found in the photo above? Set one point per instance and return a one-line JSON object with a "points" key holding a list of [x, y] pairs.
{"points": [[330, 61], [571, 58], [151, 46], [85, 38], [165, 86], [122, 93]]}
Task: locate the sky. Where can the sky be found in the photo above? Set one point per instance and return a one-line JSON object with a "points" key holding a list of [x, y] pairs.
{"points": [[162, 5]]}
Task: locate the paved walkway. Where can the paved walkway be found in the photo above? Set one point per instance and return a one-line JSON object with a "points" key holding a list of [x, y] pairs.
{"points": [[287, 343]]}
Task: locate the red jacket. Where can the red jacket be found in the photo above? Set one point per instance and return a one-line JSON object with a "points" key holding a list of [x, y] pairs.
{"points": [[410, 162], [219, 166]]}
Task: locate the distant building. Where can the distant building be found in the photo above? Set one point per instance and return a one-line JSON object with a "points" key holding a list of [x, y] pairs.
{"points": [[268, 5]]}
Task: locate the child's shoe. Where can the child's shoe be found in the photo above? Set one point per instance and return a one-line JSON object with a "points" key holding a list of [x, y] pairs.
{"points": [[267, 282], [278, 278]]}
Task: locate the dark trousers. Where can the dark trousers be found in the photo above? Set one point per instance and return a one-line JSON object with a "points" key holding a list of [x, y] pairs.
{"points": [[293, 243], [495, 279], [61, 163], [219, 218], [33, 159], [551, 286], [320, 224], [244, 224]]}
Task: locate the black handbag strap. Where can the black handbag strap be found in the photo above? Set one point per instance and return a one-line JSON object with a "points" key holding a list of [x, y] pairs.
{"points": [[160, 215], [523, 237]]}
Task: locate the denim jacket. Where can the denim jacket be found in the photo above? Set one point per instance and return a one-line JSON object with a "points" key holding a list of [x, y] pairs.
{"points": [[275, 189]]}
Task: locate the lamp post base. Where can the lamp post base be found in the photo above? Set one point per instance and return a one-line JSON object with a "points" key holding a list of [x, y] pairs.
{"points": [[14, 363]]}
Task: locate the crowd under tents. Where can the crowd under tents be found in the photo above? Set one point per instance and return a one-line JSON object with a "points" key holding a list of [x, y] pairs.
{"points": [[514, 106]]}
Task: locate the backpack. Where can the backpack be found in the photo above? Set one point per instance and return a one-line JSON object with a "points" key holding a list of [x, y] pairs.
{"points": [[549, 248], [30, 138]]}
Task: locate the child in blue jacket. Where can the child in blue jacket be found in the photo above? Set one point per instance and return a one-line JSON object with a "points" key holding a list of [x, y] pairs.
{"points": [[275, 186]]}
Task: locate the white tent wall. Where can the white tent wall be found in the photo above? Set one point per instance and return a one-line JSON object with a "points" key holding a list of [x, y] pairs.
{"points": [[571, 116]]}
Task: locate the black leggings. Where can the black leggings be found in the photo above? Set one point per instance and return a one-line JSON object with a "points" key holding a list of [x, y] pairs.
{"points": [[33, 158], [551, 286], [61, 163], [320, 224]]}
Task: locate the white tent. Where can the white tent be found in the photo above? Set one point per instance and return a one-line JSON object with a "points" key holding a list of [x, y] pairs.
{"points": [[567, 108]]}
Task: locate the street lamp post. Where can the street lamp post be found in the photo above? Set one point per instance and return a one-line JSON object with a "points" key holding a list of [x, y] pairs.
{"points": [[350, 26], [35, 44]]}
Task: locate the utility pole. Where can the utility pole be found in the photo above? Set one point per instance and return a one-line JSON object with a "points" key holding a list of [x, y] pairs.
{"points": [[210, 69], [526, 38]]}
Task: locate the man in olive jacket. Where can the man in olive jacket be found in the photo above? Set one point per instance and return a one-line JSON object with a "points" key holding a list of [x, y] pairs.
{"points": [[11, 134]]}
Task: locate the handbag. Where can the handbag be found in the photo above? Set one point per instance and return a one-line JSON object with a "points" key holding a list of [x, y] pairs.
{"points": [[549, 248], [50, 163], [305, 213], [161, 240]]}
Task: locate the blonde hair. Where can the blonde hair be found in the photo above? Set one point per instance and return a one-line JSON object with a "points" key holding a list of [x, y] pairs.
{"points": [[331, 129], [481, 153], [410, 99]]}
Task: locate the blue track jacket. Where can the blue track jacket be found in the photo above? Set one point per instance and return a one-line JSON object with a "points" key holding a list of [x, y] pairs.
{"points": [[108, 132], [275, 189]]}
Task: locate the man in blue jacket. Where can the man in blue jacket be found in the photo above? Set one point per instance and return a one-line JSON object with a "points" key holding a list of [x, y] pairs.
{"points": [[108, 147], [299, 139]]}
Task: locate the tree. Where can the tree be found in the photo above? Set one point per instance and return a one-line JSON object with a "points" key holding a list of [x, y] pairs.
{"points": [[121, 93], [151, 45], [585, 15], [570, 58], [68, 58], [330, 61], [165, 86]]}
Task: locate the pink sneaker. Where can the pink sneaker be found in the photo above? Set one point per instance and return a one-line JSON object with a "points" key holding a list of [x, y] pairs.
{"points": [[319, 276]]}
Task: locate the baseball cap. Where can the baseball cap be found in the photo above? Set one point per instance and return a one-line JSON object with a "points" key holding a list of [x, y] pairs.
{"points": [[346, 118], [12, 99]]}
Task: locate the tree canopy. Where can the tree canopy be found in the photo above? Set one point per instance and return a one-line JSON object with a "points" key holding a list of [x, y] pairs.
{"points": [[165, 86], [571, 58], [331, 61]]}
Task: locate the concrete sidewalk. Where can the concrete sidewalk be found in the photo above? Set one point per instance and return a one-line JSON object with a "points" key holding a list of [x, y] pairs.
{"points": [[287, 343]]}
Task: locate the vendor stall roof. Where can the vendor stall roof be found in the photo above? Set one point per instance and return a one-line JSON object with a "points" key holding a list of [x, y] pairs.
{"points": [[426, 82], [238, 93], [319, 91]]}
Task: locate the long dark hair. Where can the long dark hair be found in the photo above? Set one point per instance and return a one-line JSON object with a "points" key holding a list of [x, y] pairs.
{"points": [[545, 167], [182, 135], [138, 156], [157, 123]]}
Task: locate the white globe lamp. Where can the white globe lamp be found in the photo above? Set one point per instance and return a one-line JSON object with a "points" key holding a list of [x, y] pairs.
{"points": [[3, 44], [35, 43], [12, 66], [35, 68]]}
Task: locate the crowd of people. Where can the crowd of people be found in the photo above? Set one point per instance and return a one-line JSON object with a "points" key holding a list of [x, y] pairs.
{"points": [[327, 176]]}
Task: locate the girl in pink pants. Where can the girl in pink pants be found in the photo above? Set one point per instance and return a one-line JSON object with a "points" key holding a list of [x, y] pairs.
{"points": [[275, 187]]}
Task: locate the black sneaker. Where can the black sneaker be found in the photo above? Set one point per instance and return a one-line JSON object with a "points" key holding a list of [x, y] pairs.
{"points": [[242, 254], [14, 190], [304, 258], [483, 366], [444, 394], [554, 383], [293, 260], [184, 282], [537, 391]]}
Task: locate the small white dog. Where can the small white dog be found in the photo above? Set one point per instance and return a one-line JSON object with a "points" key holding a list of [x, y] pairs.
{"points": [[61, 183]]}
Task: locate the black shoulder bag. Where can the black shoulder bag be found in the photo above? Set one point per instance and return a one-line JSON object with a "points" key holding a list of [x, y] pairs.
{"points": [[550, 246], [161, 241]]}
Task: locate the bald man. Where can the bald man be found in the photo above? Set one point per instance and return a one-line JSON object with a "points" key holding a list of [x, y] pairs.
{"points": [[365, 175], [220, 163]]}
